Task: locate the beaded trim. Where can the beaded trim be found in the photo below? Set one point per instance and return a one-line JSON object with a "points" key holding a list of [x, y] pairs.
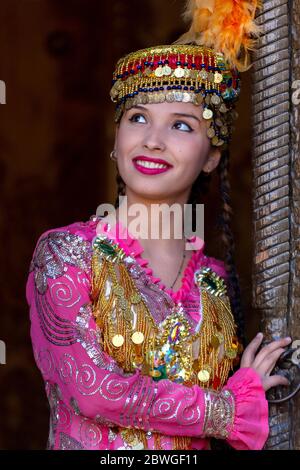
{"points": [[179, 73]]}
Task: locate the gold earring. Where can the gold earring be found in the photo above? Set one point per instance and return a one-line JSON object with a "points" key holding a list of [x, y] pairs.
{"points": [[113, 155]]}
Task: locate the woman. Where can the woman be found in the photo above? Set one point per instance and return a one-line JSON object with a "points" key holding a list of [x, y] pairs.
{"points": [[134, 336]]}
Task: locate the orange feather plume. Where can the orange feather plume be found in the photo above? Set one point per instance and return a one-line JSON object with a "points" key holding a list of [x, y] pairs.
{"points": [[227, 26]]}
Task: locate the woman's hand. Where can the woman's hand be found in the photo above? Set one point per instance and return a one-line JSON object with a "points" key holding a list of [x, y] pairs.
{"points": [[264, 361]]}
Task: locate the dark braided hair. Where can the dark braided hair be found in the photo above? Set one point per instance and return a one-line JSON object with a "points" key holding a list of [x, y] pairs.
{"points": [[120, 188], [199, 188], [229, 245]]}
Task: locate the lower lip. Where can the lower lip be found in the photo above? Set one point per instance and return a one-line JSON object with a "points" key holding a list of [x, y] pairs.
{"points": [[150, 171]]}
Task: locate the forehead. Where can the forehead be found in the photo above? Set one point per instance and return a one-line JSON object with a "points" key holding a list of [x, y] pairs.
{"points": [[166, 108]]}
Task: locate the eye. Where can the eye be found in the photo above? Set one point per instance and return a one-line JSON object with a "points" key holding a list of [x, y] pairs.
{"points": [[135, 117], [185, 128]]}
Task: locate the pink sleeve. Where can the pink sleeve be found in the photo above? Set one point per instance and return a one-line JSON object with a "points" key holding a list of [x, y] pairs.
{"points": [[251, 424], [65, 341]]}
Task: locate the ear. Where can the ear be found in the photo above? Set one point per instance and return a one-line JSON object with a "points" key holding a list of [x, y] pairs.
{"points": [[212, 160]]}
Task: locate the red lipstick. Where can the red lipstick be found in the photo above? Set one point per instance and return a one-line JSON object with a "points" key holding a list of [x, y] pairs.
{"points": [[150, 171]]}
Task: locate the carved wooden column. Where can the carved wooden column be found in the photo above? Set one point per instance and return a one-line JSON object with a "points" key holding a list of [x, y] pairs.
{"points": [[276, 193], [294, 305]]}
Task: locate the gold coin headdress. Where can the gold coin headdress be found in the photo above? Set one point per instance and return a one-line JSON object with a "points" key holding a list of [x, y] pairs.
{"points": [[202, 67]]}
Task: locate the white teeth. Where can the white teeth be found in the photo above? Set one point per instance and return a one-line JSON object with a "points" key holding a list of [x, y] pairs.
{"points": [[150, 164]]}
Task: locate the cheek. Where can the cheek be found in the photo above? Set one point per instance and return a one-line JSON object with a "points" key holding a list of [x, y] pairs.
{"points": [[193, 151], [127, 140]]}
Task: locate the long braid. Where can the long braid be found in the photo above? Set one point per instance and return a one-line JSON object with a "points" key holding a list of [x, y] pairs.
{"points": [[228, 247], [120, 188], [199, 189], [228, 244]]}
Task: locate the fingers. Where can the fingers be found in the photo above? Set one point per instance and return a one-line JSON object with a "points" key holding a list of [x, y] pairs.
{"points": [[274, 381], [267, 351], [250, 351], [269, 362]]}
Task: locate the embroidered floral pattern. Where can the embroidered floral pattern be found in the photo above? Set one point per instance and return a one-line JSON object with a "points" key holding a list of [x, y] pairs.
{"points": [[54, 251], [219, 414]]}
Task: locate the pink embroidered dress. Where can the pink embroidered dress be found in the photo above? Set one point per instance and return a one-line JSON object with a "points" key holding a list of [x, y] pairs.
{"points": [[90, 396]]}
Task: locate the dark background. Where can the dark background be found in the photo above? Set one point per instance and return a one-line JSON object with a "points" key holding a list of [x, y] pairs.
{"points": [[56, 133]]}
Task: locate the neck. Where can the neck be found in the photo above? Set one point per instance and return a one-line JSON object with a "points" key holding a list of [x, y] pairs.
{"points": [[158, 224]]}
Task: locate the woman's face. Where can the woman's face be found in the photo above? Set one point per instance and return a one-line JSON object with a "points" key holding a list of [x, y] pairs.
{"points": [[173, 134]]}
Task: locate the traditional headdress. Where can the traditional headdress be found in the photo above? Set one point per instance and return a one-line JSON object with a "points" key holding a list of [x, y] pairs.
{"points": [[202, 67]]}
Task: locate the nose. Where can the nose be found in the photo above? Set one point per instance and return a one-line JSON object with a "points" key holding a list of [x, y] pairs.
{"points": [[154, 139]]}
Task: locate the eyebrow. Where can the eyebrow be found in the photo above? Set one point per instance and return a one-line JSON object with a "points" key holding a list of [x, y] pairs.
{"points": [[174, 114]]}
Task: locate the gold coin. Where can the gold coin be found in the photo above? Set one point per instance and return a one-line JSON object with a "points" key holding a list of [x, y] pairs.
{"points": [[207, 113], [215, 99], [199, 99], [215, 140], [118, 290], [156, 373], [203, 74], [210, 132], [167, 70], [179, 72], [159, 71], [223, 108], [156, 97], [186, 97], [187, 73], [128, 104], [118, 341], [215, 342], [114, 92], [170, 98], [123, 303], [178, 95], [231, 353], [203, 375], [129, 80], [135, 298], [137, 337], [218, 77]]}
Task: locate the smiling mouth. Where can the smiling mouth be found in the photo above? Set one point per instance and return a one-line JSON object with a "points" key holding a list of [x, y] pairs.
{"points": [[153, 165]]}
